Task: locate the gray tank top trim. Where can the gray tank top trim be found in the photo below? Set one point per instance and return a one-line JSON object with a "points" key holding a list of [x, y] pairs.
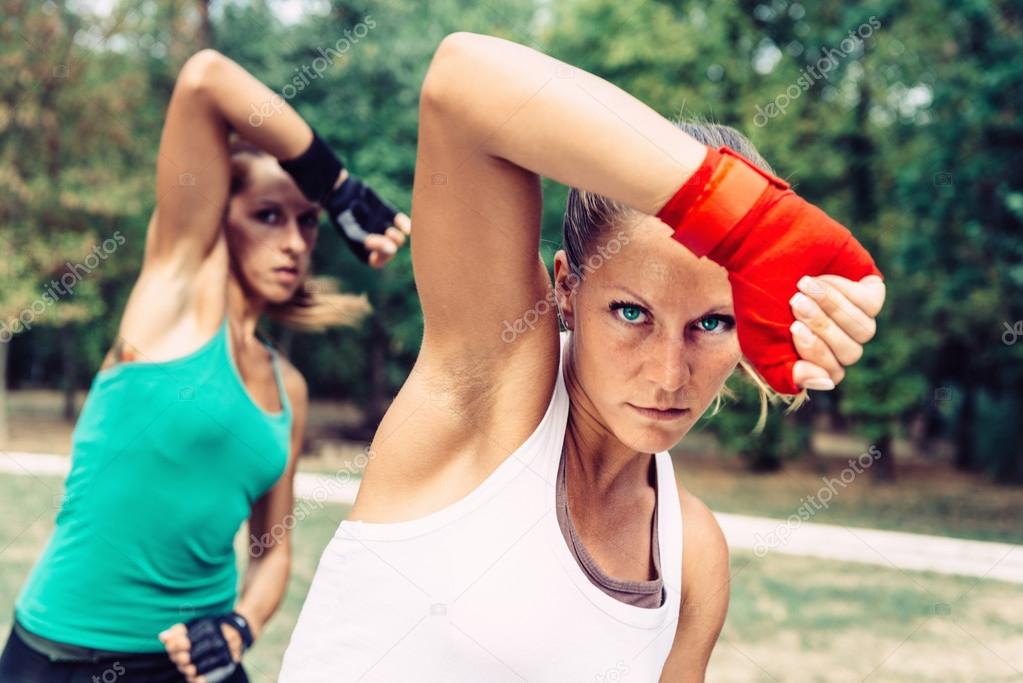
{"points": [[648, 594]]}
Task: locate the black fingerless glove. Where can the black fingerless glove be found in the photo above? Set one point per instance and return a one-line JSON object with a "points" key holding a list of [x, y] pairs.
{"points": [[209, 651], [355, 210]]}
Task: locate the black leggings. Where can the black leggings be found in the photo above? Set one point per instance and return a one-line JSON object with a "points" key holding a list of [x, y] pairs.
{"points": [[19, 663]]}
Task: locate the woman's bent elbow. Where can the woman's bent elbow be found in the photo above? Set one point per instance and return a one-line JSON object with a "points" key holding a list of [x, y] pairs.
{"points": [[448, 70], [195, 75]]}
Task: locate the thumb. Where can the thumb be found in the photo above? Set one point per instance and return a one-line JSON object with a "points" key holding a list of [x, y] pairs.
{"points": [[811, 376]]}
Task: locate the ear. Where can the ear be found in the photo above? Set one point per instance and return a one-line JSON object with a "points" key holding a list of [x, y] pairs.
{"points": [[565, 283]]}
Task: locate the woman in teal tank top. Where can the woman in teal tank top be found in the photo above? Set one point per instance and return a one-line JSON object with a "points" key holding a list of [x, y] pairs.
{"points": [[193, 425]]}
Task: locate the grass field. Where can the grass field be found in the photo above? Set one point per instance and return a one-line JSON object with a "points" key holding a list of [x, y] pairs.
{"points": [[791, 619], [928, 500]]}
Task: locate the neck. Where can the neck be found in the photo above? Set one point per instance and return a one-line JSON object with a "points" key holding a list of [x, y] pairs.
{"points": [[243, 309], [596, 460]]}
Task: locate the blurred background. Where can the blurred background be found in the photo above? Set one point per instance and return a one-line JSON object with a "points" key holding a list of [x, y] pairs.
{"points": [[904, 120]]}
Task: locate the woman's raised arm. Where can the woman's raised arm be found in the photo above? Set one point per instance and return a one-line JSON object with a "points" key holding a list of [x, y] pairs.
{"points": [[507, 104], [212, 95]]}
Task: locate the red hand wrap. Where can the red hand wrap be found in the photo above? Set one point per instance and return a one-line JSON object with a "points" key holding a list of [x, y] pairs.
{"points": [[767, 237]]}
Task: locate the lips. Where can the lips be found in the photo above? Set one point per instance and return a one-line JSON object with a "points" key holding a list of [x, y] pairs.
{"points": [[287, 273], [660, 414]]}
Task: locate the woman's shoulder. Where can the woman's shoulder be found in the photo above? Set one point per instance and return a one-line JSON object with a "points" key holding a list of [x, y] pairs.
{"points": [[705, 549], [294, 385], [706, 588]]}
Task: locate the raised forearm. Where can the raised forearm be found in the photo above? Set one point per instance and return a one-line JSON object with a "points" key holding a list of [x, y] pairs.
{"points": [[248, 106], [558, 121]]}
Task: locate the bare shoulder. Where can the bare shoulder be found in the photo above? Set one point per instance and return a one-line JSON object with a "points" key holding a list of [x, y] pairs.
{"points": [[706, 584], [702, 537]]}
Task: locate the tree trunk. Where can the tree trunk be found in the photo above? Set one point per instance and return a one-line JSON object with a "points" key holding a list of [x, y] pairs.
{"points": [[883, 469], [764, 455], [964, 458], [203, 34], [377, 374], [839, 422], [67, 338], [5, 434]]}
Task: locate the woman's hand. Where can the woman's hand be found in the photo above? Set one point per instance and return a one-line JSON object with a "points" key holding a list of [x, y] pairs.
{"points": [[382, 248], [835, 317], [179, 649]]}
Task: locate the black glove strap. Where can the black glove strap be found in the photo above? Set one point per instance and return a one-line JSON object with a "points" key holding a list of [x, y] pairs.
{"points": [[315, 170], [357, 211], [242, 625]]}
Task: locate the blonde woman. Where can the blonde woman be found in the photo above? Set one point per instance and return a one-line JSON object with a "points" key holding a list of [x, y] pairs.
{"points": [[193, 424], [520, 518]]}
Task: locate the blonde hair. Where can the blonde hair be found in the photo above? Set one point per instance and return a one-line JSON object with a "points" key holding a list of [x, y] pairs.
{"points": [[588, 215], [316, 304]]}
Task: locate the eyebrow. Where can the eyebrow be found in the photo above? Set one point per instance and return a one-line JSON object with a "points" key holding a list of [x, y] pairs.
{"points": [[719, 308], [631, 293], [306, 208]]}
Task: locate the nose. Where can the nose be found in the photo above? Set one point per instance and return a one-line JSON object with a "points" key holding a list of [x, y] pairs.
{"points": [[667, 363], [294, 242]]}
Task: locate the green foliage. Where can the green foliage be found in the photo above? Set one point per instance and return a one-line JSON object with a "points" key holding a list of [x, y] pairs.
{"points": [[912, 138]]}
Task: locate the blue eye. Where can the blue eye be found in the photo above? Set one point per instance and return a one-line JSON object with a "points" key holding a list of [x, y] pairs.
{"points": [[716, 324], [630, 313]]}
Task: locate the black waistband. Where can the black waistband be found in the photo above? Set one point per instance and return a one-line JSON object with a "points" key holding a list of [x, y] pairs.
{"points": [[66, 652]]}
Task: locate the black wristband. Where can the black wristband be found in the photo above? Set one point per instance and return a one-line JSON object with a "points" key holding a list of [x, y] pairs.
{"points": [[315, 170], [242, 625]]}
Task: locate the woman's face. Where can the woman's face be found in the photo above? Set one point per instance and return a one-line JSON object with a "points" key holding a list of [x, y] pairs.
{"points": [[271, 231], [653, 334]]}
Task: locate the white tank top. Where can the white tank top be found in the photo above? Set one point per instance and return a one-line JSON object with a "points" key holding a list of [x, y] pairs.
{"points": [[485, 589]]}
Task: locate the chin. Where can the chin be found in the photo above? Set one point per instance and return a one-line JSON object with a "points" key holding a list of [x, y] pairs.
{"points": [[278, 295], [647, 439]]}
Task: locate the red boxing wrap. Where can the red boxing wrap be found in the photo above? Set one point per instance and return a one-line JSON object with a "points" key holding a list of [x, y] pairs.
{"points": [[767, 237]]}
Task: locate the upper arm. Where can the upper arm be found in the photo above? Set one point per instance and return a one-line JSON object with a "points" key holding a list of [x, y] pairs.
{"points": [[192, 171], [268, 521], [705, 593], [477, 217], [178, 298]]}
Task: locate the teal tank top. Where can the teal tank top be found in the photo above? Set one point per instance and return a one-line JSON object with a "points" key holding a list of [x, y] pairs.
{"points": [[167, 460]]}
